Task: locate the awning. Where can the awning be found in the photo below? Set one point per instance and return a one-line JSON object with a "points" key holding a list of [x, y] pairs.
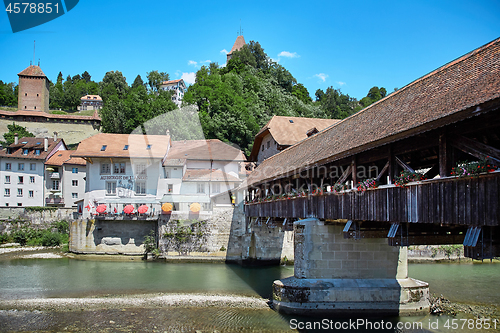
{"points": [[145, 200], [185, 198]]}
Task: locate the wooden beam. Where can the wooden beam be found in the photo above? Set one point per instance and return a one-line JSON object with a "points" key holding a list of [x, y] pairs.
{"points": [[403, 164], [384, 169], [476, 149], [444, 156], [354, 171]]}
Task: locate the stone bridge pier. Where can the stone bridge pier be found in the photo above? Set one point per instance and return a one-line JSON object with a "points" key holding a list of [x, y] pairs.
{"points": [[337, 276]]}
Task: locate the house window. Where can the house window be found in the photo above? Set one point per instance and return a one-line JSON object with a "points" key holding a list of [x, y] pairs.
{"points": [[19, 192], [32, 194], [55, 185], [74, 182], [170, 188], [103, 148], [110, 187], [19, 204], [32, 166], [268, 144], [7, 192], [20, 179], [140, 169], [140, 188], [216, 187], [105, 168], [167, 173], [8, 166], [32, 179], [119, 168], [148, 147], [25, 151], [74, 170], [125, 147], [262, 147], [20, 166], [74, 195], [201, 188], [37, 152], [7, 179]]}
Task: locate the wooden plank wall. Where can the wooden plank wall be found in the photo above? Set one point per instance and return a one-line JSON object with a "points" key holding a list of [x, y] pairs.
{"points": [[462, 201]]}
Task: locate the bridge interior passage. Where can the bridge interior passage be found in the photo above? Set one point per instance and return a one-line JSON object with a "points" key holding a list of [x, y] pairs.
{"points": [[442, 208]]}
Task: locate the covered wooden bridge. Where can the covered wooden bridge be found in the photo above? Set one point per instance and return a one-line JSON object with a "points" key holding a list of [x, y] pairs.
{"points": [[420, 166]]}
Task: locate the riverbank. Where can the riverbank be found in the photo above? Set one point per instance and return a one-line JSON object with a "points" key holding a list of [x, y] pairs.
{"points": [[134, 301]]}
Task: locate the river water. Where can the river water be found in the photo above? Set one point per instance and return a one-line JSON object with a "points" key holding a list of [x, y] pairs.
{"points": [[63, 278]]}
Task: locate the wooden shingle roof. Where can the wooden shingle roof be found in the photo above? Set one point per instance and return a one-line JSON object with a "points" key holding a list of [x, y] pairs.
{"points": [[434, 100]]}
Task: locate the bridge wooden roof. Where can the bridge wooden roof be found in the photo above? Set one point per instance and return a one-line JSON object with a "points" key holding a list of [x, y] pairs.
{"points": [[434, 100]]}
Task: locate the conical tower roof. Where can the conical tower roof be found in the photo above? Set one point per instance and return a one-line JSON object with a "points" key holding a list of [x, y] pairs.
{"points": [[32, 71], [238, 44]]}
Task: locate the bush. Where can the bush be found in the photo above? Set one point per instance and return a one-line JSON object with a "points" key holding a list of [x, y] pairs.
{"points": [[4, 238], [51, 239], [62, 226]]}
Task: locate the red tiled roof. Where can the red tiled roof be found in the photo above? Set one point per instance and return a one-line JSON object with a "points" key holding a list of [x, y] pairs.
{"points": [[32, 144], [466, 82], [238, 44], [206, 175], [204, 150], [115, 144], [63, 157], [32, 71], [287, 131], [91, 98], [171, 81], [48, 115]]}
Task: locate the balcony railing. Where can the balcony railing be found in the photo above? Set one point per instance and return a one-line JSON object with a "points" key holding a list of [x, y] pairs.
{"points": [[464, 201], [54, 201]]}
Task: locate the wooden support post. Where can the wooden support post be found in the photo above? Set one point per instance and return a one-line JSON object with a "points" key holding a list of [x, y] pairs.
{"points": [[444, 157], [354, 172], [392, 165]]}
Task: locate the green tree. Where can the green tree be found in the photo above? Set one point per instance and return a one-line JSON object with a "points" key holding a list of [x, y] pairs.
{"points": [[155, 79], [137, 82], [86, 76], [301, 93], [113, 83], [13, 129]]}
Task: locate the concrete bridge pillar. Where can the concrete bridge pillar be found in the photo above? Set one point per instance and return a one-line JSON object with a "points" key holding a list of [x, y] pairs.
{"points": [[334, 275]]}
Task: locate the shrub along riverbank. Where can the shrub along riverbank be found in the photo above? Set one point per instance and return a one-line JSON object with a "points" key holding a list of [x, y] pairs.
{"points": [[27, 234]]}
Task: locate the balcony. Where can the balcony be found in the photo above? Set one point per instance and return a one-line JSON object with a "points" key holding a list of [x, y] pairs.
{"points": [[54, 201], [55, 175]]}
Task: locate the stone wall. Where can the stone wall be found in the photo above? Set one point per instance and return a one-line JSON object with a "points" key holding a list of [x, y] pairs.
{"points": [[71, 133], [36, 218]]}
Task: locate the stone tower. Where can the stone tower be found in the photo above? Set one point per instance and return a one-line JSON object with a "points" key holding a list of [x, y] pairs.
{"points": [[238, 44], [33, 90]]}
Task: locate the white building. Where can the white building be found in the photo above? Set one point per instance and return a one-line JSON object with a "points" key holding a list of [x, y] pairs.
{"points": [[200, 171], [179, 88], [22, 170], [137, 169], [65, 179]]}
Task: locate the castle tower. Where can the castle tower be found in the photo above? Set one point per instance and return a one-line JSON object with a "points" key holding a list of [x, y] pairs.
{"points": [[33, 90], [238, 44]]}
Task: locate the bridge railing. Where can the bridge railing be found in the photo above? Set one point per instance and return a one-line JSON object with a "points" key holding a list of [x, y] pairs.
{"points": [[451, 200]]}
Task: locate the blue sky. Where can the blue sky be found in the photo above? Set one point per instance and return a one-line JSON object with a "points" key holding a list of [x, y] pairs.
{"points": [[351, 45]]}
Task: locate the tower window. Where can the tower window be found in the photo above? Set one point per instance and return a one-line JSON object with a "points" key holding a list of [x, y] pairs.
{"points": [[25, 94]]}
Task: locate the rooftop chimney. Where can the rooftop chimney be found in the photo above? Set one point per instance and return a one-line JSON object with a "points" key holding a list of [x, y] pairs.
{"points": [[16, 139], [168, 132], [55, 136], [45, 144]]}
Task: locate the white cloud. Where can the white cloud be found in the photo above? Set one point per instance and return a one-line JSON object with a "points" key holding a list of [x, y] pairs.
{"points": [[288, 54], [189, 78], [205, 61], [340, 83], [224, 51], [321, 76], [193, 63]]}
